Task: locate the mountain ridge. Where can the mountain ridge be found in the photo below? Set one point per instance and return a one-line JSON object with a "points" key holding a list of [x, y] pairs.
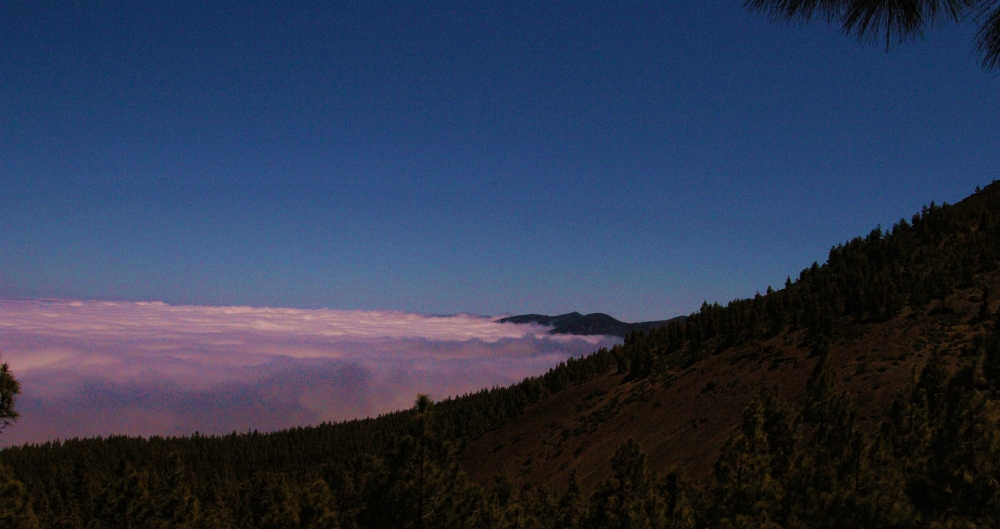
{"points": [[864, 393], [596, 323]]}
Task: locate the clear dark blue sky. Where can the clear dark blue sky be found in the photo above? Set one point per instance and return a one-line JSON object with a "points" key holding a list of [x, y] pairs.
{"points": [[633, 158]]}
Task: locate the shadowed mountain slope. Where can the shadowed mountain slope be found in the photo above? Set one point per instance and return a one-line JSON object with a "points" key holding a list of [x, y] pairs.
{"points": [[587, 324], [684, 415], [887, 358], [880, 307]]}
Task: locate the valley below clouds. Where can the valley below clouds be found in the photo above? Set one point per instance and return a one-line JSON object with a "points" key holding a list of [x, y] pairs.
{"points": [[90, 368]]}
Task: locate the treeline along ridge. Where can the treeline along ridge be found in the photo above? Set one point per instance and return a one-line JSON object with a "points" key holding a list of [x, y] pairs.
{"points": [[930, 458]]}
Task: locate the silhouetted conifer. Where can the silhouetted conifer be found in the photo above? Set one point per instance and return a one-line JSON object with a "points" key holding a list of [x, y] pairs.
{"points": [[985, 313], [272, 504], [15, 503], [424, 484], [572, 505], [127, 504], [746, 493], [629, 497], [317, 507], [176, 507]]}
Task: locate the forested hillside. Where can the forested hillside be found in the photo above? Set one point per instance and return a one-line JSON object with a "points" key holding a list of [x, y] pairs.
{"points": [[866, 392]]}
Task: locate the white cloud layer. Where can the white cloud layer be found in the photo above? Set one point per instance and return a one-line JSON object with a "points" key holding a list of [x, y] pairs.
{"points": [[101, 368]]}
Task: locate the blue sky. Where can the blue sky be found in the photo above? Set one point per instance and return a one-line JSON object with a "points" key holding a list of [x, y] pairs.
{"points": [[633, 158]]}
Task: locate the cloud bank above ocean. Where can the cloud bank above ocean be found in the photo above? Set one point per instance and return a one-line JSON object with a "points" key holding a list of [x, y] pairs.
{"points": [[100, 368]]}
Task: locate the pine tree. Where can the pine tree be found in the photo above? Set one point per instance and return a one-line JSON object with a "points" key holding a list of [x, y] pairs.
{"points": [[177, 508], [819, 389], [962, 477], [499, 508], [15, 503], [272, 504], [318, 509], [127, 504], [571, 505], [215, 513], [991, 364], [539, 508], [628, 498], [782, 429], [425, 485], [933, 378], [746, 493], [680, 497], [10, 388], [879, 498], [985, 313]]}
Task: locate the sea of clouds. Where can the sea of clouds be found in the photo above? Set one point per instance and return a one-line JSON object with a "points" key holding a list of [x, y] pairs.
{"points": [[92, 368]]}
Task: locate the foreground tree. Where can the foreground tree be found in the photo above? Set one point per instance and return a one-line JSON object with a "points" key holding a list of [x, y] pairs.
{"points": [[634, 497], [10, 388], [423, 487], [893, 20], [15, 503], [747, 493]]}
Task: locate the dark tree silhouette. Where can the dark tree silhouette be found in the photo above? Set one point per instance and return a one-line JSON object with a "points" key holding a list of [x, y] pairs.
{"points": [[893, 20], [10, 388]]}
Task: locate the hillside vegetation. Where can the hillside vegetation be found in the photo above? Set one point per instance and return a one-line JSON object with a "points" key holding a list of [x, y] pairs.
{"points": [[865, 393]]}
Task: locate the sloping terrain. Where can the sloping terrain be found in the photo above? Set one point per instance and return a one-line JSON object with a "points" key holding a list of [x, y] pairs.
{"points": [[684, 417], [881, 306], [864, 393]]}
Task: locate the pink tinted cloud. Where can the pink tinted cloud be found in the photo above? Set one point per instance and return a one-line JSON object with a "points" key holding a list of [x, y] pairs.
{"points": [[101, 368]]}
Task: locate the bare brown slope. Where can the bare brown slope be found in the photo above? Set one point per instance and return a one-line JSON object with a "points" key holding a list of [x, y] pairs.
{"points": [[684, 418]]}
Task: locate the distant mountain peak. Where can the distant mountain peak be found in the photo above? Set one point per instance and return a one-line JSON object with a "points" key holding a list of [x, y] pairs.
{"points": [[596, 323]]}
